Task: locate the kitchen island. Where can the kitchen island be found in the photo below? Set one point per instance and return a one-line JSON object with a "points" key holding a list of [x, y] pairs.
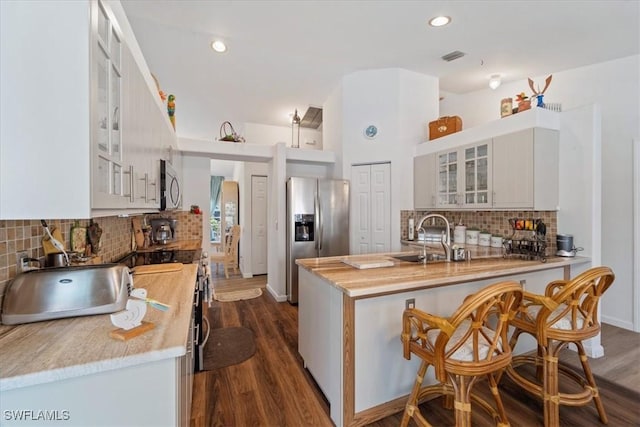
{"points": [[350, 320], [74, 370]]}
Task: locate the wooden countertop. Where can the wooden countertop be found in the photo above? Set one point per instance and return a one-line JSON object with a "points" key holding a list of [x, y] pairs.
{"points": [[404, 276], [42, 352], [185, 245]]}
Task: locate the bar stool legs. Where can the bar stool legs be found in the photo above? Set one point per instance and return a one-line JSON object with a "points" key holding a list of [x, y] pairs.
{"points": [[566, 314]]}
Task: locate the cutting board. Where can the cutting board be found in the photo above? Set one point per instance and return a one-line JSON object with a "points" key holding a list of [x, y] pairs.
{"points": [[365, 263], [136, 223], [47, 246], [158, 268]]}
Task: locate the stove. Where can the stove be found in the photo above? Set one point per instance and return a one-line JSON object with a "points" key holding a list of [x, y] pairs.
{"points": [[201, 289], [161, 256]]}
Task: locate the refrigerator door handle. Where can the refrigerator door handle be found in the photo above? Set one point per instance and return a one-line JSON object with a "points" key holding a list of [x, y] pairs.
{"points": [[319, 222]]}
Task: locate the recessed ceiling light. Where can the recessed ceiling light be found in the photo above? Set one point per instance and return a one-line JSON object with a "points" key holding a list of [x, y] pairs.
{"points": [[495, 81], [439, 21], [218, 46]]}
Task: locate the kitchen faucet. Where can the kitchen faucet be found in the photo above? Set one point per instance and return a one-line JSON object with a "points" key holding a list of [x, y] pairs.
{"points": [[446, 237]]}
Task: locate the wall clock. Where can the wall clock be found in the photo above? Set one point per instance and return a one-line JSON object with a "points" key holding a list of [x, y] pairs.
{"points": [[371, 131]]}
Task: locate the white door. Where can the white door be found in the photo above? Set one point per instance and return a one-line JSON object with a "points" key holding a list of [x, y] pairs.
{"points": [[258, 225], [381, 207], [361, 196], [371, 208]]}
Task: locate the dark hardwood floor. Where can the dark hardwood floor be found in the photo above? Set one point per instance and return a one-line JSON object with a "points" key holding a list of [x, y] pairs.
{"points": [[273, 389]]}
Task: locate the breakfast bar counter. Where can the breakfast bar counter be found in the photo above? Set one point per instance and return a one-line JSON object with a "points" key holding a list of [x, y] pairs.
{"points": [[350, 319], [404, 275]]}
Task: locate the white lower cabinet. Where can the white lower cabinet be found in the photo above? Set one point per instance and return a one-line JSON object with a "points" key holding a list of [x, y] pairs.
{"points": [[150, 394]]}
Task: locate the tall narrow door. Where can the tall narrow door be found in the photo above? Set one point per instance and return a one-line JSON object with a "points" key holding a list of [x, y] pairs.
{"points": [[381, 207], [361, 200], [258, 225], [371, 212]]}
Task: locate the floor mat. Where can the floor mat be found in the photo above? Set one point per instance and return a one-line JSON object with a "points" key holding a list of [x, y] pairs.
{"points": [[228, 346]]}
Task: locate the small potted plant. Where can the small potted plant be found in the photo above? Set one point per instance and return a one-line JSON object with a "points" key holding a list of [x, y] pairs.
{"points": [[524, 103]]}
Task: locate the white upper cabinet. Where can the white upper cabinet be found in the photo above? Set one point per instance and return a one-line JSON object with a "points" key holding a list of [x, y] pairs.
{"points": [[517, 170], [526, 169], [424, 182], [108, 169], [68, 112], [464, 177], [45, 133]]}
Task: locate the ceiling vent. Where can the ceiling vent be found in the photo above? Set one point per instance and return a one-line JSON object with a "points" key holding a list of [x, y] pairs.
{"points": [[312, 118], [452, 56]]}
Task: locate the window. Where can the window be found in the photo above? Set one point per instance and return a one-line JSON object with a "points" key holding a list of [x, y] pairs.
{"points": [[214, 220]]}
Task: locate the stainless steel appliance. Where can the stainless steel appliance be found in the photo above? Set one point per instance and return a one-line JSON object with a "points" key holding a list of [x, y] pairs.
{"points": [[170, 191], [317, 223], [564, 242], [57, 293], [163, 230]]}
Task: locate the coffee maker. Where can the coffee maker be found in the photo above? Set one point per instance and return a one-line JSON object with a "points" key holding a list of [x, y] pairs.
{"points": [[163, 230]]}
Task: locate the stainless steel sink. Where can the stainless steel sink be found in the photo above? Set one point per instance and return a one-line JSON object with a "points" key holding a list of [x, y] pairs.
{"points": [[418, 257], [55, 293]]}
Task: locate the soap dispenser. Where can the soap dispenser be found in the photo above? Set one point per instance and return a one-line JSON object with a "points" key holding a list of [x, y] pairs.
{"points": [[411, 230]]}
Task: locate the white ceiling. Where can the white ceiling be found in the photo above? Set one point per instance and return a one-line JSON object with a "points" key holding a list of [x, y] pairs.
{"points": [[291, 54]]}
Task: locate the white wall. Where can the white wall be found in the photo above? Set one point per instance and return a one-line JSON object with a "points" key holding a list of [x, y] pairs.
{"points": [[614, 86], [256, 133], [196, 183], [400, 103], [332, 125], [276, 227]]}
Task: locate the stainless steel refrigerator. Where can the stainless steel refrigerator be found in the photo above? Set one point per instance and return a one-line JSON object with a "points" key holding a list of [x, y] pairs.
{"points": [[317, 223]]}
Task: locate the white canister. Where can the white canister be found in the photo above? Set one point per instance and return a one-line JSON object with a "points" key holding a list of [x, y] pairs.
{"points": [[459, 234], [496, 241], [484, 239], [472, 237]]}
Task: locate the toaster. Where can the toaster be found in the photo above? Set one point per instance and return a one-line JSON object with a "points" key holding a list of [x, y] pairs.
{"points": [[56, 293]]}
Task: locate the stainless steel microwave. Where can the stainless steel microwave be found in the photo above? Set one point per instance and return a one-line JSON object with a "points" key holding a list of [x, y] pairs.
{"points": [[170, 191]]}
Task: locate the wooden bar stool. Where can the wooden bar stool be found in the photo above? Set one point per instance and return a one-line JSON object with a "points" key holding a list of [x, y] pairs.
{"points": [[566, 313], [471, 343]]}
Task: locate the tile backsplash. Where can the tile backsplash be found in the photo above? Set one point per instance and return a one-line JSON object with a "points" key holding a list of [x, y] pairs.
{"points": [[26, 235], [495, 222]]}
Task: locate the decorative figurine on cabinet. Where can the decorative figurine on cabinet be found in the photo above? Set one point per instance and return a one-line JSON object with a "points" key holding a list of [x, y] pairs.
{"points": [[539, 94], [524, 103], [171, 109]]}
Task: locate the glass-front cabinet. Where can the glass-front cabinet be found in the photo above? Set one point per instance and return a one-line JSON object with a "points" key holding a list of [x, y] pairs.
{"points": [[109, 174], [448, 179], [476, 175], [464, 177]]}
